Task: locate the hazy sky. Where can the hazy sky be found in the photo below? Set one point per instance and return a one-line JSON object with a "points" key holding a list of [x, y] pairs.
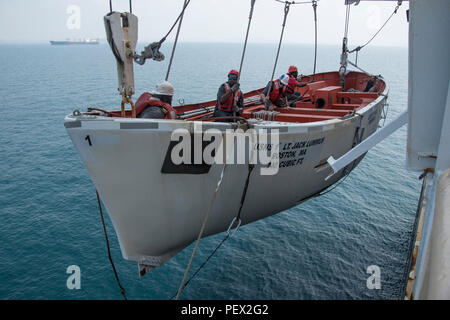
{"points": [[204, 21]]}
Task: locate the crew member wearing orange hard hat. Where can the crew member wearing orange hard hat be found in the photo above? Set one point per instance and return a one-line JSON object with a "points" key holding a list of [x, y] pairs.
{"points": [[229, 97], [293, 73], [293, 96]]}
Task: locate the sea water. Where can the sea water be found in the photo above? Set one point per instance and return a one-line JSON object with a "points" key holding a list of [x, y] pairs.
{"points": [[321, 249]]}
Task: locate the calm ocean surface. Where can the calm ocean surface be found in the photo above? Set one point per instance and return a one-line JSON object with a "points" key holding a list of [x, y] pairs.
{"points": [[49, 216]]}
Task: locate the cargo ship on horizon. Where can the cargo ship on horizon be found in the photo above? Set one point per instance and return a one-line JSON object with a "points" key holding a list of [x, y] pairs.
{"points": [[78, 41]]}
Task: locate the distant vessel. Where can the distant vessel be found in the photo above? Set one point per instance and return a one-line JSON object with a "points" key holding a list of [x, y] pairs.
{"points": [[79, 41]]}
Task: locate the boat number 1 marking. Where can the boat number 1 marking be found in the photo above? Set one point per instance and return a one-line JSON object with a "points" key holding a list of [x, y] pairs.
{"points": [[88, 139]]}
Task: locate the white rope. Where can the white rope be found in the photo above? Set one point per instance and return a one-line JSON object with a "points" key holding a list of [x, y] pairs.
{"points": [[362, 70], [202, 229]]}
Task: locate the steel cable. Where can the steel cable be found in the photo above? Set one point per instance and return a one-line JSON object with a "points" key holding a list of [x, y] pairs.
{"points": [[379, 30], [176, 21], [252, 5], [122, 290], [202, 229], [286, 11], [176, 39], [314, 4]]}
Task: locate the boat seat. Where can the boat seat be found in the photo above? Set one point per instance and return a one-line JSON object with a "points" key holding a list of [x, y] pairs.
{"points": [[300, 115], [316, 112], [304, 104], [312, 87], [301, 118], [360, 95], [325, 97], [361, 98], [345, 106]]}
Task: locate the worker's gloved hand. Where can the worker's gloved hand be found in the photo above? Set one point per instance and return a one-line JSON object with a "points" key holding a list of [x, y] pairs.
{"points": [[235, 87], [267, 104]]}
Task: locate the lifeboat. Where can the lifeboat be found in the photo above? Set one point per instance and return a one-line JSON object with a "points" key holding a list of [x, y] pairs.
{"points": [[157, 206]]}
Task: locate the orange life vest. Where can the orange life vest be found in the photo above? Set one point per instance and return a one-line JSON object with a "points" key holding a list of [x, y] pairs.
{"points": [[277, 92], [291, 85], [147, 100], [232, 100]]}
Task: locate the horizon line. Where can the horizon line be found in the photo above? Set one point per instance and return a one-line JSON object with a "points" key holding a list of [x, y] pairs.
{"points": [[103, 41]]}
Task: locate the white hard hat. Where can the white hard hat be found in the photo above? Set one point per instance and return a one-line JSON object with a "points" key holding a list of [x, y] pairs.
{"points": [[284, 79], [165, 88]]}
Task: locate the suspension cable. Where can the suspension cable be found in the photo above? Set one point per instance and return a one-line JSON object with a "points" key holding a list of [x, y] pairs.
{"points": [[152, 50], [227, 236], [286, 11], [399, 3], [122, 290], [202, 229], [347, 20], [204, 263], [287, 4], [110, 6], [176, 21], [244, 193], [314, 5], [236, 220], [252, 5], [246, 37], [176, 39], [344, 54]]}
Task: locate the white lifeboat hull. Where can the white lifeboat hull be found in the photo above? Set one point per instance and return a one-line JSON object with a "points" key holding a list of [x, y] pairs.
{"points": [[156, 215]]}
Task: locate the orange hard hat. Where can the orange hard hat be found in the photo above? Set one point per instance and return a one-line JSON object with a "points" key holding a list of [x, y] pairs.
{"points": [[235, 72], [292, 69]]}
